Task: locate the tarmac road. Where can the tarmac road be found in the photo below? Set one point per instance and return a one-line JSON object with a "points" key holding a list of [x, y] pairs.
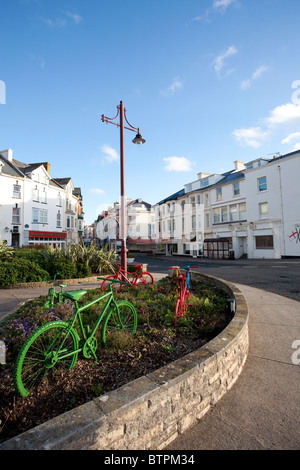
{"points": [[278, 276]]}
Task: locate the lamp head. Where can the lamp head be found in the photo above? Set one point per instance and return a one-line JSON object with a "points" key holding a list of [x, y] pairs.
{"points": [[138, 139]]}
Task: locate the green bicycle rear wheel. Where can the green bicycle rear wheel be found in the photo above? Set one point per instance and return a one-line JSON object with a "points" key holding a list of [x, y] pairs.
{"points": [[122, 316], [50, 347]]}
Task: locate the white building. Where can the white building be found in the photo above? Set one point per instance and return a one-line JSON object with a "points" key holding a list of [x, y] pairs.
{"points": [[33, 206], [139, 226], [252, 210]]}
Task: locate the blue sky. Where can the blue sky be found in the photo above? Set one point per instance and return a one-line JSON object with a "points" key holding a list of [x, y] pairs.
{"points": [[207, 81]]}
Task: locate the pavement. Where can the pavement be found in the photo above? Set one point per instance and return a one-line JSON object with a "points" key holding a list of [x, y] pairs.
{"points": [[262, 410]]}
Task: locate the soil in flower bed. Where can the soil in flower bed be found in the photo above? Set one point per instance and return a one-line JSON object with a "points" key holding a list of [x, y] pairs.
{"points": [[125, 357]]}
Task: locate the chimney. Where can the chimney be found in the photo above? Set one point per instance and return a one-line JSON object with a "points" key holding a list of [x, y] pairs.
{"points": [[7, 154], [202, 175], [239, 165], [47, 166]]}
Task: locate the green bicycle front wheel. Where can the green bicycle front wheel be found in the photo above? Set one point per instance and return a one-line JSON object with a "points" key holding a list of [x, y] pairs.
{"points": [[51, 347], [122, 316]]}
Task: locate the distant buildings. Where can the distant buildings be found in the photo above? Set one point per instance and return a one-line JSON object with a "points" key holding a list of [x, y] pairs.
{"points": [[139, 225], [36, 208], [250, 211]]}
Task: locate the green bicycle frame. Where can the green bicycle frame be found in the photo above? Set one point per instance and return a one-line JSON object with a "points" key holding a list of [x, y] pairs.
{"points": [[78, 316]]}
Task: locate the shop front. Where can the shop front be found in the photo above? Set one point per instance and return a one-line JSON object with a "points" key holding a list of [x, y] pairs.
{"points": [[35, 237]]}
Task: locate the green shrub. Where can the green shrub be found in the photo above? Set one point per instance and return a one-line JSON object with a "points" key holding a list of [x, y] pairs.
{"points": [[30, 254], [83, 270], [64, 266], [21, 270]]}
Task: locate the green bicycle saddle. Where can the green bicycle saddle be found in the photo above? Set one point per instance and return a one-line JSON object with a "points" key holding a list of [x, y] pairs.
{"points": [[74, 295]]}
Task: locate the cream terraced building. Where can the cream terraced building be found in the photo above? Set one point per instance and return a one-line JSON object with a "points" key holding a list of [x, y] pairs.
{"points": [[251, 211], [36, 208]]}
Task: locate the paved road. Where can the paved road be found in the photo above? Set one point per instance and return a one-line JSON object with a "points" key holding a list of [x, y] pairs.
{"points": [[277, 276]]}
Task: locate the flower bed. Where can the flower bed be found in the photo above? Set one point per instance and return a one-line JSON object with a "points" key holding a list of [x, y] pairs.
{"points": [[124, 359]]}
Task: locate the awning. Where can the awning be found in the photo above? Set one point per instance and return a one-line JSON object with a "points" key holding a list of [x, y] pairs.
{"points": [[36, 234]]}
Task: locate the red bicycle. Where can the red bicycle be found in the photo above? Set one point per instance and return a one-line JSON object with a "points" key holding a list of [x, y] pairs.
{"points": [[137, 278], [184, 280]]}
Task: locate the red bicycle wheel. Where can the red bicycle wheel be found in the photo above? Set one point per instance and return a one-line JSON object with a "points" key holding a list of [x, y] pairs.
{"points": [[143, 279]]}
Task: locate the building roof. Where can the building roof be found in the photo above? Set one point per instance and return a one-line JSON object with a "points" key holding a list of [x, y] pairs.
{"points": [[172, 197]]}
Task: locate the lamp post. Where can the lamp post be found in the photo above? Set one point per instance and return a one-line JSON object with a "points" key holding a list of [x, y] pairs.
{"points": [[137, 140]]}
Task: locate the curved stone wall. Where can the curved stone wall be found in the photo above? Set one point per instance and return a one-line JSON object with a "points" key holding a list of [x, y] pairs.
{"points": [[151, 411]]}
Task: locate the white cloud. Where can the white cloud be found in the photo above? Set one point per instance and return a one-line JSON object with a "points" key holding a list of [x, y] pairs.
{"points": [[177, 164], [96, 191], [219, 61], [281, 118], [218, 6], [258, 72], [58, 22], [283, 114], [296, 147], [222, 5], [291, 137], [176, 85], [76, 18], [61, 22], [110, 154], [251, 137]]}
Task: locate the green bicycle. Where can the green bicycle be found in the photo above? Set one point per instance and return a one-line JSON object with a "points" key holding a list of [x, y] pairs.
{"points": [[53, 295], [56, 345]]}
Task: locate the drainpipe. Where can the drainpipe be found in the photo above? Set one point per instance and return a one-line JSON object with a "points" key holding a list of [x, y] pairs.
{"points": [[281, 205]]}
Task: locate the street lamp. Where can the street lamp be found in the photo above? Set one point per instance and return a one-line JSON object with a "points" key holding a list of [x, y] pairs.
{"points": [[137, 140]]}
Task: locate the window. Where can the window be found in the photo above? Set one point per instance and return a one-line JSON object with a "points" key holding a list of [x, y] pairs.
{"points": [[242, 211], [16, 215], [198, 199], [193, 222], [43, 216], [264, 242], [207, 222], [217, 219], [58, 219], [204, 182], [59, 199], [36, 194], [199, 221], [224, 216], [233, 213], [182, 224], [219, 193], [236, 189], [39, 216], [35, 215], [263, 208], [262, 183], [193, 204], [17, 191], [44, 196]]}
